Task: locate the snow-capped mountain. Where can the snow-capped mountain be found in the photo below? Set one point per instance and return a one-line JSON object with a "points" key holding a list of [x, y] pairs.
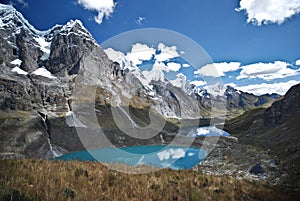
{"points": [[158, 87], [53, 82]]}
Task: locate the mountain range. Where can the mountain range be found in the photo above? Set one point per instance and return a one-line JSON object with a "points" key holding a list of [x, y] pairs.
{"points": [[48, 75], [60, 92]]}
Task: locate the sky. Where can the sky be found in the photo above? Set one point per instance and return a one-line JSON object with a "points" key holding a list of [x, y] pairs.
{"points": [[254, 45]]}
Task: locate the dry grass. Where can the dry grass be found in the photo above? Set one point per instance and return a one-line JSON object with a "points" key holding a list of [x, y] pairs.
{"points": [[56, 180]]}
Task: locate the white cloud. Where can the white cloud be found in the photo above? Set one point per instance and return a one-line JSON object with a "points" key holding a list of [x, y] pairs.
{"points": [[217, 69], [174, 66], [140, 20], [198, 83], [267, 71], [269, 11], [104, 8], [297, 62], [186, 65], [230, 84], [264, 88], [140, 52], [166, 52]]}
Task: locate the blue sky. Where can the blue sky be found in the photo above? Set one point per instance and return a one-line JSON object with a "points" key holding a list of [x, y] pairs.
{"points": [[258, 33]]}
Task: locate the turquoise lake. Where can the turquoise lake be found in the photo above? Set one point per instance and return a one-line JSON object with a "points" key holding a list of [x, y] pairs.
{"points": [[174, 157]]}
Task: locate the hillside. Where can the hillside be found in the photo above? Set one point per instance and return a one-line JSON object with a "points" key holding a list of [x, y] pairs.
{"points": [[275, 130]]}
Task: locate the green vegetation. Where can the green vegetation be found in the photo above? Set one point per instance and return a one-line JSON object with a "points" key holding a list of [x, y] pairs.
{"points": [[28, 179], [245, 121]]}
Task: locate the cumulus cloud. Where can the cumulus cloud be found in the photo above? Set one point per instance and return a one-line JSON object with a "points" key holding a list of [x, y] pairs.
{"points": [[166, 52], [140, 20], [186, 65], [269, 11], [264, 88], [174, 66], [104, 8], [198, 83], [140, 52], [267, 71], [297, 62], [231, 84], [218, 69]]}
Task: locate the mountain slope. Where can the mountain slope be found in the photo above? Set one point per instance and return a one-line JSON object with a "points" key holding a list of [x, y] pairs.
{"points": [[274, 129]]}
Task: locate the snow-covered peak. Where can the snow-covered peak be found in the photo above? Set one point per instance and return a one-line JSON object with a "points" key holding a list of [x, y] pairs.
{"points": [[75, 27], [6, 7], [180, 81], [217, 89], [156, 73], [202, 92], [11, 18], [230, 90]]}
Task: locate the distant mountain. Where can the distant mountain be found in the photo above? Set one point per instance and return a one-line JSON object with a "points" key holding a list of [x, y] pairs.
{"points": [[276, 130], [51, 82]]}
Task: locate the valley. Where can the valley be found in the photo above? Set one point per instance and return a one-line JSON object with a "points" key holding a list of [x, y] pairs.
{"points": [[62, 93]]}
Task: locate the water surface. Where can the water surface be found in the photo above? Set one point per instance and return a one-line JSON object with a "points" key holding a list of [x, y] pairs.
{"points": [[174, 157]]}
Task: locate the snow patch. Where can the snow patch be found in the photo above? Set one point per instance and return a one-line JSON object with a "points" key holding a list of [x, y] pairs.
{"points": [[45, 47], [1, 23], [43, 72], [16, 62], [19, 71]]}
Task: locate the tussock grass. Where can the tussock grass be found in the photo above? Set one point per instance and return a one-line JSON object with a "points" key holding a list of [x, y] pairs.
{"points": [[28, 179]]}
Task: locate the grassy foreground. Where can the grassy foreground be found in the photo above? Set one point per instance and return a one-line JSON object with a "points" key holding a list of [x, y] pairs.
{"points": [[28, 180]]}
